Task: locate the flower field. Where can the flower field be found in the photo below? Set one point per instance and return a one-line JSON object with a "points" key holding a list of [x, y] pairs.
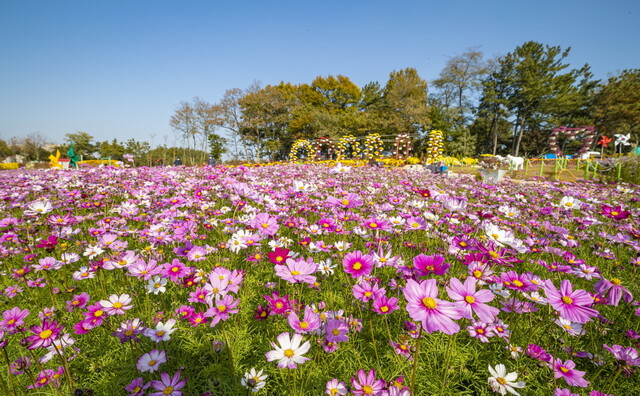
{"points": [[315, 279]]}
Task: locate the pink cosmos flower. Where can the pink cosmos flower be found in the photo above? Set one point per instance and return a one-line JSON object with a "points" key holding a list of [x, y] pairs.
{"points": [[336, 330], [347, 201], [357, 264], [336, 388], [297, 271], [168, 386], [309, 323], [572, 305], [423, 306], [367, 384], [628, 355], [265, 224], [567, 371], [615, 212], [151, 361], [468, 300], [613, 290], [384, 305], [425, 265], [374, 223], [222, 309], [175, 270], [278, 305], [12, 319], [137, 387], [78, 301], [364, 291]]}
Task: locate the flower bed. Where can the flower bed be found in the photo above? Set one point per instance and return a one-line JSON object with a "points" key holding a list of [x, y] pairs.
{"points": [[305, 279]]}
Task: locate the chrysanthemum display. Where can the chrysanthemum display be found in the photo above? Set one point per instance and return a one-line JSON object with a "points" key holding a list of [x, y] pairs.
{"points": [[302, 145], [373, 146], [435, 146], [402, 145], [348, 147]]}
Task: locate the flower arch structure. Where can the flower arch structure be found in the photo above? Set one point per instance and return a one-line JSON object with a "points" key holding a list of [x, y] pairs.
{"points": [[301, 144], [588, 134]]}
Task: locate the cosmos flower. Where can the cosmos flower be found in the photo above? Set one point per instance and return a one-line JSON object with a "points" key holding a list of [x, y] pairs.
{"points": [[567, 371], [253, 380], [151, 361], [289, 351], [503, 383], [423, 306], [572, 305], [366, 383], [168, 386], [357, 264]]}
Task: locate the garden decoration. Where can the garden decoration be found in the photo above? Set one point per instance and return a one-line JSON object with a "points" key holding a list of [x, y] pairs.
{"points": [[434, 146], [604, 142], [621, 140], [54, 161], [373, 146], [320, 143], [493, 169], [402, 145], [515, 162], [301, 144], [348, 146], [587, 133], [73, 158]]}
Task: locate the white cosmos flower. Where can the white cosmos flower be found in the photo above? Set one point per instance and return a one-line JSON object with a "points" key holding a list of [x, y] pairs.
{"points": [[289, 352], [39, 207], [339, 168], [568, 202], [501, 382], [156, 285], [498, 235], [253, 380]]}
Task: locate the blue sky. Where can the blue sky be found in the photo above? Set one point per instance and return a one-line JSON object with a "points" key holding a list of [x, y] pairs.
{"points": [[118, 69]]}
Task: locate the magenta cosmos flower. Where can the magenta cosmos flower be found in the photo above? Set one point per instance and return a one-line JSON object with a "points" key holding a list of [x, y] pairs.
{"points": [[423, 306], [613, 290], [44, 335], [12, 319], [425, 265], [572, 304], [567, 371], [366, 384], [357, 264], [469, 300]]}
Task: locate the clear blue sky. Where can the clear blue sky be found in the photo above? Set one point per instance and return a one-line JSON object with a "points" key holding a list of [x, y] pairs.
{"points": [[118, 69]]}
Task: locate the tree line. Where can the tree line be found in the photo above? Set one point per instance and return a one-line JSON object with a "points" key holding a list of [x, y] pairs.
{"points": [[509, 104]]}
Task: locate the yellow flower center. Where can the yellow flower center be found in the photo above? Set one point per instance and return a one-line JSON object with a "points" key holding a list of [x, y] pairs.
{"points": [[501, 380], [384, 308], [152, 362], [373, 225], [493, 254], [222, 308], [98, 313], [518, 283], [616, 281], [614, 213], [469, 299], [367, 390], [160, 333], [45, 334], [117, 305], [288, 352], [564, 369], [304, 325], [345, 202], [429, 302], [295, 273], [335, 332], [168, 390], [567, 300], [477, 273], [357, 265], [463, 244]]}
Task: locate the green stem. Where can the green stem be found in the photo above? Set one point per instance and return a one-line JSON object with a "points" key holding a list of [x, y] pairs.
{"points": [[66, 368], [415, 362], [373, 341], [4, 386], [614, 379], [452, 341]]}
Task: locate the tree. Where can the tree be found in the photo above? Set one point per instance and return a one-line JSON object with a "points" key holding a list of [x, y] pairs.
{"points": [[113, 149], [616, 106], [536, 91], [4, 149], [196, 121], [82, 144], [405, 98], [460, 78]]}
